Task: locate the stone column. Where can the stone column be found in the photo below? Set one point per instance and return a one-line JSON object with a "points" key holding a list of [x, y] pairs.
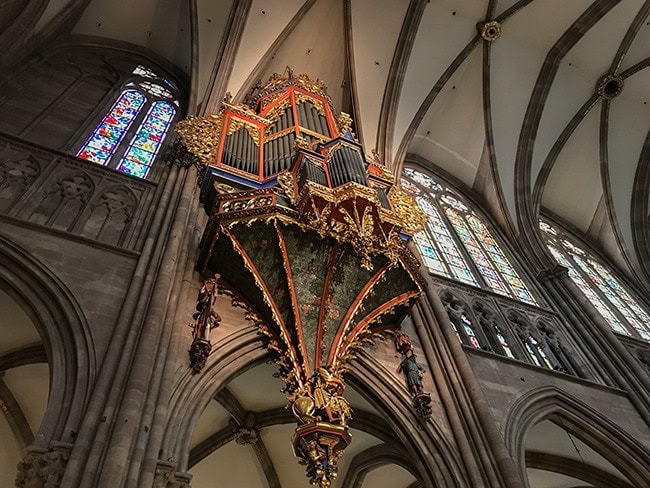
{"points": [[598, 339], [113, 418], [483, 436]]}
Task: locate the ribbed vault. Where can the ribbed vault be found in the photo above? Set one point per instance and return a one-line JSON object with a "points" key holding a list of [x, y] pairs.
{"points": [[515, 113], [242, 437]]}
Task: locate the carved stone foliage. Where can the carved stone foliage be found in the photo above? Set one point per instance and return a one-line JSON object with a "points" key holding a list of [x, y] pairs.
{"points": [[111, 215], [42, 469], [167, 477], [640, 350], [71, 195], [518, 331], [15, 176]]}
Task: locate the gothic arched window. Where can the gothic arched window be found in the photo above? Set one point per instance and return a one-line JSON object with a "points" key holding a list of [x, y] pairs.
{"points": [[599, 285], [536, 352], [457, 244], [130, 134]]}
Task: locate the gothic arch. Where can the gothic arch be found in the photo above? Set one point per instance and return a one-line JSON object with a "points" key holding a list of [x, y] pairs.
{"points": [[373, 458], [243, 349], [580, 420], [574, 469], [231, 355], [90, 71], [66, 339], [455, 213], [442, 465]]}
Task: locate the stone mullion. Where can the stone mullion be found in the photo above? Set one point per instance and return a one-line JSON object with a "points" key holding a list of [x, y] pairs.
{"points": [[516, 344], [174, 355], [481, 335], [84, 458], [133, 129], [461, 246], [584, 345], [601, 342], [626, 323], [596, 289], [471, 400], [510, 336]]}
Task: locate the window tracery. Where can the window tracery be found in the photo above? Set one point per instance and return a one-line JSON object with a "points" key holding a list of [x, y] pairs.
{"points": [[518, 334], [605, 292], [130, 134], [457, 244]]}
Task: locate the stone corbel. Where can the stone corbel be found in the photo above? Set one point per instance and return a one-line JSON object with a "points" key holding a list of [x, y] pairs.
{"points": [[179, 155], [167, 477], [557, 271], [42, 468]]}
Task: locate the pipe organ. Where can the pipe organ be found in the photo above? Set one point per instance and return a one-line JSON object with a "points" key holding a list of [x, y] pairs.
{"points": [[310, 238], [289, 125]]}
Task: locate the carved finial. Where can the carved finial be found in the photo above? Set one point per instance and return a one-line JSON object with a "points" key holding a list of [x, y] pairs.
{"points": [[300, 143], [344, 122], [227, 97], [375, 157]]}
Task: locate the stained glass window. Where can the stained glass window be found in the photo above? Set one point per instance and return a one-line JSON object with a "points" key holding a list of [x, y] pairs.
{"points": [[503, 342], [144, 72], [130, 135], [469, 330], [536, 353], [484, 266], [456, 263], [111, 130], [410, 187], [144, 146], [531, 353], [155, 89], [617, 306], [423, 179], [457, 244]]}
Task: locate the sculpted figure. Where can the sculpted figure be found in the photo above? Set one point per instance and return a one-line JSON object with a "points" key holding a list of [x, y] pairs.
{"points": [[413, 372]]}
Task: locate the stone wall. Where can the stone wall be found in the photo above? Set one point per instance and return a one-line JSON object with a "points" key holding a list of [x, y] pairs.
{"points": [[84, 222], [505, 381], [74, 196]]}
